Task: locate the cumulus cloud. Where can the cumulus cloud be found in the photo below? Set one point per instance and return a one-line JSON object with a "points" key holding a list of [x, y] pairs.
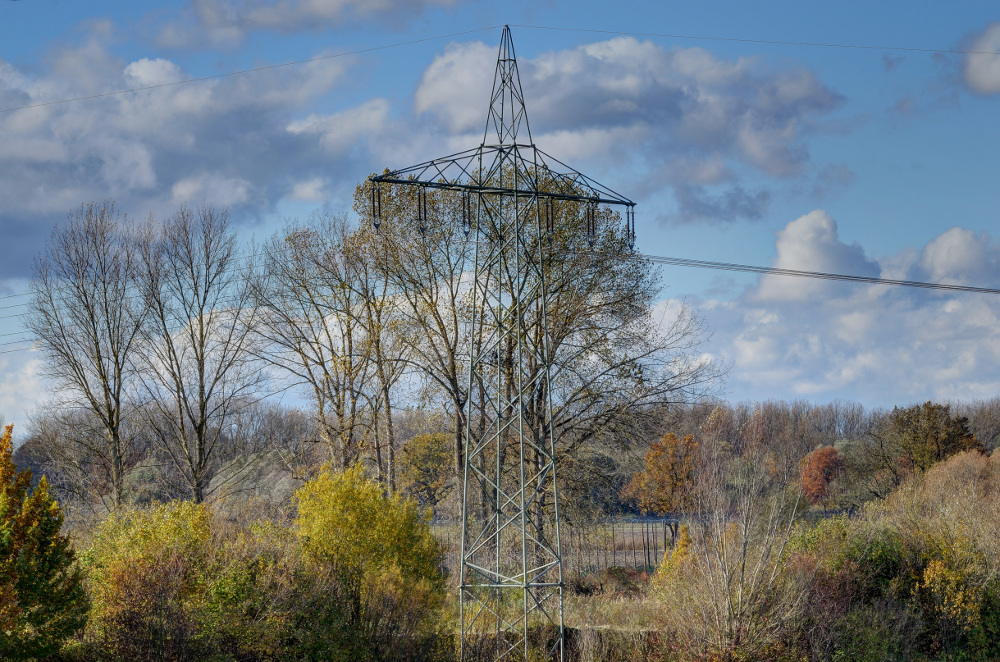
{"points": [[691, 117], [228, 21], [22, 387], [236, 142], [811, 243], [981, 70], [340, 132], [792, 337], [960, 256]]}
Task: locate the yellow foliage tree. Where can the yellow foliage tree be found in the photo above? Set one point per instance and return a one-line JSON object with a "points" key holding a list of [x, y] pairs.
{"points": [[345, 520], [383, 553]]}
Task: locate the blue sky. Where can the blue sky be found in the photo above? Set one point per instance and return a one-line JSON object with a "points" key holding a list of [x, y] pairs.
{"points": [[870, 161]]}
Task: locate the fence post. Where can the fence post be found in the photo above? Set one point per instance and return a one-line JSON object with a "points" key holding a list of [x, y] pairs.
{"points": [[655, 550], [635, 558]]}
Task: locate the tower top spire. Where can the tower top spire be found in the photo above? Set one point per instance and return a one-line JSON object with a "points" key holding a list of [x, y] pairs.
{"points": [[507, 116]]}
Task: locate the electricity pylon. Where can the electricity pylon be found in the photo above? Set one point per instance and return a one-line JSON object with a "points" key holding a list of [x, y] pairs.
{"points": [[511, 577]]}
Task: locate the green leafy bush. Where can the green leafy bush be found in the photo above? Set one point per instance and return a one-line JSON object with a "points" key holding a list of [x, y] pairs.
{"points": [[915, 576], [146, 571]]}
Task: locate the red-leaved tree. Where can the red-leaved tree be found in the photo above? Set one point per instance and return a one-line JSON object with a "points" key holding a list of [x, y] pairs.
{"points": [[819, 468]]}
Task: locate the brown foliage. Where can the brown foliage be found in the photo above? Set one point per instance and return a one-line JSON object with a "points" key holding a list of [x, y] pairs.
{"points": [[819, 468], [665, 484]]}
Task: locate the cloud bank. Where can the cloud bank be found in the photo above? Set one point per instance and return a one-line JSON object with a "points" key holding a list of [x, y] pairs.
{"points": [[693, 121], [228, 22], [792, 337], [237, 142]]}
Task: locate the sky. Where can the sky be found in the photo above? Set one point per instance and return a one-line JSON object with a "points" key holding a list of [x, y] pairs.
{"points": [[875, 161]]}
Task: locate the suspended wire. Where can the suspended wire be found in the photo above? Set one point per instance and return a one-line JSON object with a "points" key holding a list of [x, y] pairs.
{"points": [[772, 42], [776, 271], [292, 63], [248, 71], [721, 266], [665, 260]]}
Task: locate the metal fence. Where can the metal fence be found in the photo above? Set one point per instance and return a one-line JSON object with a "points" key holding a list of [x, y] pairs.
{"points": [[638, 544]]}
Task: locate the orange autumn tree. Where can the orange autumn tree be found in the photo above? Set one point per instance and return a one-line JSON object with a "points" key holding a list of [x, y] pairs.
{"points": [[42, 601], [819, 468], [666, 483]]}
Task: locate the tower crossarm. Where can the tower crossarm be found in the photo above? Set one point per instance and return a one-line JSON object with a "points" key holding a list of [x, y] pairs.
{"points": [[479, 170]]}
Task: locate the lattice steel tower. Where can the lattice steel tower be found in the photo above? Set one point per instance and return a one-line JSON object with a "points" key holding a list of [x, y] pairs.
{"points": [[511, 566]]}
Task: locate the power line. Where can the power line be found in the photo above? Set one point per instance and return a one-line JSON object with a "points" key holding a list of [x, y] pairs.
{"points": [[775, 271], [248, 71], [772, 42], [744, 40], [728, 266]]}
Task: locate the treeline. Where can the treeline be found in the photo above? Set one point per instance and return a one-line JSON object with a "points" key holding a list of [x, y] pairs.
{"points": [[828, 532], [168, 340], [214, 522]]}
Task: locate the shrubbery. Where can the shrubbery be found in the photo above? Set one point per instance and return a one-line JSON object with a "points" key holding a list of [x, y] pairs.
{"points": [[356, 578], [916, 577], [387, 560]]}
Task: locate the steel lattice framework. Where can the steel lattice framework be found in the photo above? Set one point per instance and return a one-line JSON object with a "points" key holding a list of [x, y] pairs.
{"points": [[511, 566]]}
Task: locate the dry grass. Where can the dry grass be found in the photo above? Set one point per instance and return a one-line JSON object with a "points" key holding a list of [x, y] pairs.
{"points": [[625, 614]]}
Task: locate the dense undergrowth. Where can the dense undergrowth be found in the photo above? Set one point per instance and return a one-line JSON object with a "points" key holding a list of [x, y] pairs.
{"points": [[911, 577], [356, 575], [178, 582]]}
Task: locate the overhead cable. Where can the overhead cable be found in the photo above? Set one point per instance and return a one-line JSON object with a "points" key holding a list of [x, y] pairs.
{"points": [[771, 42], [776, 271], [247, 71]]}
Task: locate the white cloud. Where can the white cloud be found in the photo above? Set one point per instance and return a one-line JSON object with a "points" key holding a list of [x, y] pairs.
{"points": [[21, 388], [960, 256], [207, 188], [981, 70], [455, 87], [792, 337], [811, 243], [226, 22], [340, 132], [223, 142], [146, 72], [310, 190], [692, 118]]}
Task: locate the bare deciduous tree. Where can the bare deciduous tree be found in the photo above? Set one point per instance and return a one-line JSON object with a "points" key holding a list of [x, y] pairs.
{"points": [[424, 271], [86, 311], [731, 592], [311, 326], [198, 354], [390, 353]]}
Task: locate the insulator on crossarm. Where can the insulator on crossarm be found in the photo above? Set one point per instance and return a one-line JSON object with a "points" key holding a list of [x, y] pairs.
{"points": [[466, 213], [630, 227], [376, 206], [591, 223], [422, 210], [549, 216]]}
